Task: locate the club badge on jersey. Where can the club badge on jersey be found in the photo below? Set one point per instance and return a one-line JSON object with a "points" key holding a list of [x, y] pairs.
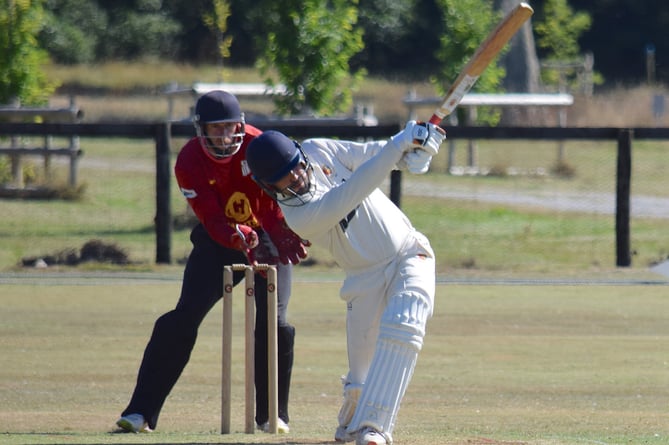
{"points": [[188, 193], [245, 168]]}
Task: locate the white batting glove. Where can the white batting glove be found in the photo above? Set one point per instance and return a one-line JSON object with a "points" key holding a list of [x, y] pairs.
{"points": [[420, 135], [417, 161]]}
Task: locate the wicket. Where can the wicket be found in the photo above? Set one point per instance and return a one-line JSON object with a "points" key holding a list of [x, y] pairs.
{"points": [[272, 348]]}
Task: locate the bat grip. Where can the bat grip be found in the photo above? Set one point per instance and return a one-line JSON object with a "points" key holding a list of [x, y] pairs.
{"points": [[436, 120]]}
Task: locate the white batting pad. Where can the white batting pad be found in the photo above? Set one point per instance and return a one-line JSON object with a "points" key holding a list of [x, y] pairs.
{"points": [[400, 339]]}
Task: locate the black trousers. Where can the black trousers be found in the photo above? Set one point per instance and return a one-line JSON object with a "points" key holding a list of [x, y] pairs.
{"points": [[175, 332]]}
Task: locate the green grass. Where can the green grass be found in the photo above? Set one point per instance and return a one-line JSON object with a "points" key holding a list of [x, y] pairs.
{"points": [[534, 365], [505, 365], [503, 239], [124, 75]]}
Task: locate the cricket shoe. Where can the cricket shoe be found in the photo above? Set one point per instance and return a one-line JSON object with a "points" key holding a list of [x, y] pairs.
{"points": [[369, 436], [133, 423], [343, 436], [281, 427]]}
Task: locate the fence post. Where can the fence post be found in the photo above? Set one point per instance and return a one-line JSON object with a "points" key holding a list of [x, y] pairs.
{"points": [[74, 144], [163, 218], [396, 188], [623, 181]]}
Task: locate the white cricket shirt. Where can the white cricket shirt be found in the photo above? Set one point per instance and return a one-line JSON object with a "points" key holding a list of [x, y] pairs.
{"points": [[349, 215]]}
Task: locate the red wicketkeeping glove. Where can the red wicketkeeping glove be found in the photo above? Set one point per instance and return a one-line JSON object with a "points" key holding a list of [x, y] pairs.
{"points": [[290, 246], [244, 238], [261, 254]]}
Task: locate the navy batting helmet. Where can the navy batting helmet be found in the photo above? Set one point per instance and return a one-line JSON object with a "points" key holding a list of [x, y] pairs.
{"points": [[217, 107], [270, 157]]}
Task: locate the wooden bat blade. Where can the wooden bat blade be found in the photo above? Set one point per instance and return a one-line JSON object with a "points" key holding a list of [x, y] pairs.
{"points": [[482, 57]]}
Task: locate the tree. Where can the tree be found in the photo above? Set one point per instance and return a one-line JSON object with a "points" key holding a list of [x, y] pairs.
{"points": [[138, 29], [195, 42], [558, 31], [401, 37], [217, 22], [308, 47], [84, 31], [520, 61], [467, 23], [72, 30], [620, 34], [387, 25], [21, 58]]}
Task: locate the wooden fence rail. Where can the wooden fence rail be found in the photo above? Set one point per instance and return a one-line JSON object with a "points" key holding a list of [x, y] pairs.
{"points": [[162, 132], [16, 153]]}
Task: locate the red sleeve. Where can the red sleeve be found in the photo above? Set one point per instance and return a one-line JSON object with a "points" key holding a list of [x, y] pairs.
{"points": [[192, 174]]}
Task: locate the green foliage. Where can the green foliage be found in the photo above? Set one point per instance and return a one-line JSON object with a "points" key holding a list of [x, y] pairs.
{"points": [[217, 22], [558, 30], [135, 33], [81, 31], [391, 30], [385, 19], [5, 170], [28, 170], [400, 36], [21, 58], [308, 46], [467, 23], [72, 30]]}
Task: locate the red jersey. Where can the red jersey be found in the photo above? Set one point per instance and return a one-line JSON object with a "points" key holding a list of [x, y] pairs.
{"points": [[221, 192]]}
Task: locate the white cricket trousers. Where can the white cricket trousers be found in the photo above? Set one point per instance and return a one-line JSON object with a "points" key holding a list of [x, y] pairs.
{"points": [[367, 294]]}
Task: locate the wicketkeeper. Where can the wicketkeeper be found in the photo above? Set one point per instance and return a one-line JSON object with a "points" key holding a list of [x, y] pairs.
{"points": [[238, 223]]}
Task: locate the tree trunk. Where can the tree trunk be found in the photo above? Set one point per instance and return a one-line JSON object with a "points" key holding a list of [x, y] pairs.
{"points": [[522, 67], [520, 61]]}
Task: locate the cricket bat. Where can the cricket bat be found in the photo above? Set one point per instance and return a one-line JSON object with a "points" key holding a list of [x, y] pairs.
{"points": [[484, 54]]}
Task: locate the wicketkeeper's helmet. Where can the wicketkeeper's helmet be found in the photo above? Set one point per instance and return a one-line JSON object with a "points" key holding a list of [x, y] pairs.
{"points": [[219, 107]]}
